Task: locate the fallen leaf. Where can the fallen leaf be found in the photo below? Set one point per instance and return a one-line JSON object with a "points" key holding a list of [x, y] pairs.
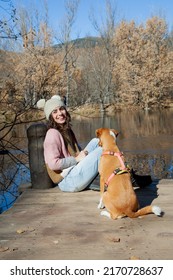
{"points": [[3, 249], [20, 230], [55, 241], [114, 239], [134, 258]]}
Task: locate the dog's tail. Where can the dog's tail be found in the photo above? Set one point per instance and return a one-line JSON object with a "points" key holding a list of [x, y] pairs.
{"points": [[144, 211]]}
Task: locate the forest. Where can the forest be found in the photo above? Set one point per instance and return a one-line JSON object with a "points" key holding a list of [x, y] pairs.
{"points": [[126, 65]]}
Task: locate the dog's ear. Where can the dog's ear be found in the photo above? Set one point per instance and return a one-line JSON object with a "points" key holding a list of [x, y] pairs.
{"points": [[99, 132], [98, 135], [115, 132]]}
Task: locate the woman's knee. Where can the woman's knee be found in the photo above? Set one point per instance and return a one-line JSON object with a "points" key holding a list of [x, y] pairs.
{"points": [[95, 141], [92, 145], [70, 186]]}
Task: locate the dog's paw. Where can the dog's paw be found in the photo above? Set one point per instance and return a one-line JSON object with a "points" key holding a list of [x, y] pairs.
{"points": [[100, 205], [157, 210], [105, 213]]}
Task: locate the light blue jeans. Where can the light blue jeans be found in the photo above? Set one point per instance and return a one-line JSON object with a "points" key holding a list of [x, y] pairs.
{"points": [[82, 174]]}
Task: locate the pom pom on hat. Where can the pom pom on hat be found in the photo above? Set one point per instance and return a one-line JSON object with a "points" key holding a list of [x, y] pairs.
{"points": [[50, 105], [41, 103], [56, 96]]}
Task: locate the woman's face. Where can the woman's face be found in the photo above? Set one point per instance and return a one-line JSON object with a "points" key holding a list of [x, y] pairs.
{"points": [[59, 115]]}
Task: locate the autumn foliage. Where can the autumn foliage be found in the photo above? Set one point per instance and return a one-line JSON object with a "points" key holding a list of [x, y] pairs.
{"points": [[144, 64], [133, 68]]}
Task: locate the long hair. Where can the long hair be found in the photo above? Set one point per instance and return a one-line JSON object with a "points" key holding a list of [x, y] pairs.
{"points": [[65, 130]]}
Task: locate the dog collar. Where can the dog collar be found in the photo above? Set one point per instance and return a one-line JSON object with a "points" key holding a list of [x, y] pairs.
{"points": [[119, 155]]}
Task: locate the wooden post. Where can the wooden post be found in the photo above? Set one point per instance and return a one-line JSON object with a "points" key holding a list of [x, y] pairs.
{"points": [[39, 176]]}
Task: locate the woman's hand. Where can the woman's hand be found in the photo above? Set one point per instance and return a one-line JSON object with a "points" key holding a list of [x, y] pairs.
{"points": [[81, 156]]}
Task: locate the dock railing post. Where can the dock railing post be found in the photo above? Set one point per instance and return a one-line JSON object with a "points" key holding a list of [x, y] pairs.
{"points": [[39, 176]]}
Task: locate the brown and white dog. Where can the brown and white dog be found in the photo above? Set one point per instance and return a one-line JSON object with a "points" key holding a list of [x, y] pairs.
{"points": [[117, 193]]}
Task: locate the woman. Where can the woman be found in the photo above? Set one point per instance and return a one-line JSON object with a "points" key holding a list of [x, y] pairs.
{"points": [[70, 168]]}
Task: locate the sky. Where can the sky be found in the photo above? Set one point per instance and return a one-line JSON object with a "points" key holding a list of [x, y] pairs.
{"points": [[138, 10]]}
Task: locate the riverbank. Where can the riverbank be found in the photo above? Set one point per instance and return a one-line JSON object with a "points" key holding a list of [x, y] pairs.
{"points": [[49, 224], [83, 111]]}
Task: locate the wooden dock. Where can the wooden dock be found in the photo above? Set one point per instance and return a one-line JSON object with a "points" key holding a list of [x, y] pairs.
{"points": [[49, 224]]}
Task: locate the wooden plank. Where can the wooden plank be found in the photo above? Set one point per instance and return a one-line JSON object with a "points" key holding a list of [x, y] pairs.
{"points": [[58, 225]]}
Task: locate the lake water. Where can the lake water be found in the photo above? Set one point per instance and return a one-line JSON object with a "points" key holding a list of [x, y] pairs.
{"points": [[146, 139]]}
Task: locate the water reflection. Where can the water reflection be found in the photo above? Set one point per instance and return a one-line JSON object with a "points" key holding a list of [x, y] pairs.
{"points": [[145, 137], [13, 166], [10, 180]]}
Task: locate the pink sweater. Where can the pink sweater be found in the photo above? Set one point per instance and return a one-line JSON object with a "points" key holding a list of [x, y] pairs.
{"points": [[55, 153]]}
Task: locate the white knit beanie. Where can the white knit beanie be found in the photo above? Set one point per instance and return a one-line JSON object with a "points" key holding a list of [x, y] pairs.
{"points": [[50, 105]]}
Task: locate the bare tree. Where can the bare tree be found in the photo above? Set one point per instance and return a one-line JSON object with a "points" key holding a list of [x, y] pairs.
{"points": [[106, 32], [8, 21], [69, 56], [24, 77]]}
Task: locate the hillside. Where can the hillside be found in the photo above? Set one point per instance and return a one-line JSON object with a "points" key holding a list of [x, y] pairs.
{"points": [[86, 42]]}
